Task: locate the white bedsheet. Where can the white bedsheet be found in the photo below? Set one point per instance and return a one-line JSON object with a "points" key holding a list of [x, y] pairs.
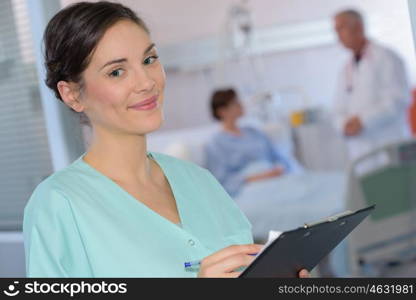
{"points": [[288, 202]]}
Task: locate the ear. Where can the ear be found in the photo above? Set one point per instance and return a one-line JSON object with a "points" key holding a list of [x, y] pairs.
{"points": [[70, 93]]}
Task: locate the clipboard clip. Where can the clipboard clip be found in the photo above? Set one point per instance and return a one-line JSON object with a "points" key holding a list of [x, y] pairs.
{"points": [[328, 219]]}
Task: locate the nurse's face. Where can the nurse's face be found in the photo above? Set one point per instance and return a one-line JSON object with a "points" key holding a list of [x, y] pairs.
{"points": [[124, 82]]}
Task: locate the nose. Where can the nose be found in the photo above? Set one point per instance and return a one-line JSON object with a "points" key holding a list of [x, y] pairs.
{"points": [[143, 81]]}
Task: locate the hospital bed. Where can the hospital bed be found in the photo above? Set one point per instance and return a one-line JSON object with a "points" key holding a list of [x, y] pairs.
{"points": [[385, 177], [289, 201]]}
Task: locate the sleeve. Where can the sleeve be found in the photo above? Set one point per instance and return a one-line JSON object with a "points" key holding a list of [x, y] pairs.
{"points": [[217, 163], [273, 154], [394, 93], [339, 109], [53, 246]]}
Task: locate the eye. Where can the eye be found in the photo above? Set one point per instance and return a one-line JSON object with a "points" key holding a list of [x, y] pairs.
{"points": [[116, 73], [151, 59]]}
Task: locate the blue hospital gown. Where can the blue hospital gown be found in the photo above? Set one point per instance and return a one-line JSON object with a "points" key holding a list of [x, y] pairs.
{"points": [[228, 156]]}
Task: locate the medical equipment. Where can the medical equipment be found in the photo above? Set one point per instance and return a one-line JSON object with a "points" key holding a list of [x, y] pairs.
{"points": [[385, 177]]}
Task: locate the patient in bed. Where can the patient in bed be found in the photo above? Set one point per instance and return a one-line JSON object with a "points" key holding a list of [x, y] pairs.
{"points": [[238, 155]]}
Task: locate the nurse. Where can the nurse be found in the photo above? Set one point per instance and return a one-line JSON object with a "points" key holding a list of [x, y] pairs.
{"points": [[373, 92], [119, 210]]}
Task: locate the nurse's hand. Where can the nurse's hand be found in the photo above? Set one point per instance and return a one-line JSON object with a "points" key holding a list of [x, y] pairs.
{"points": [[223, 263]]}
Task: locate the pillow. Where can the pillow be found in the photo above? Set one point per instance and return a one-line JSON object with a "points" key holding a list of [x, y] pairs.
{"points": [[178, 150]]}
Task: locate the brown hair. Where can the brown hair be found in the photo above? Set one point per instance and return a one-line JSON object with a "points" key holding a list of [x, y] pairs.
{"points": [[220, 99], [73, 34]]}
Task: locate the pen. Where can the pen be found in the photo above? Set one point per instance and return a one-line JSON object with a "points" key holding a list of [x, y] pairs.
{"points": [[190, 264]]}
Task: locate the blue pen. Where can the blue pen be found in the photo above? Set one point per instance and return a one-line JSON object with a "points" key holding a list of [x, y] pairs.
{"points": [[190, 264]]}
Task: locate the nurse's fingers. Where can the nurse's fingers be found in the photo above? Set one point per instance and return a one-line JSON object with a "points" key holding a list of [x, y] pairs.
{"points": [[225, 266], [232, 275], [230, 251], [231, 263]]}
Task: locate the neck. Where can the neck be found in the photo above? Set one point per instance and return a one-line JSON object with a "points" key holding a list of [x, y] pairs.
{"points": [[121, 157], [231, 126], [359, 48]]}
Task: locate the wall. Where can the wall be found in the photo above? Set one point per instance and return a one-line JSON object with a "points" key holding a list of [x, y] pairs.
{"points": [[311, 68], [183, 20]]}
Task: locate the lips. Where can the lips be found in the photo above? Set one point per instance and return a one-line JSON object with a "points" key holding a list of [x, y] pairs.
{"points": [[144, 102]]}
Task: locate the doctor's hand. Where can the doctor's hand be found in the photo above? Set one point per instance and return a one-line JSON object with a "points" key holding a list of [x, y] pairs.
{"points": [[304, 274], [353, 126], [223, 263]]}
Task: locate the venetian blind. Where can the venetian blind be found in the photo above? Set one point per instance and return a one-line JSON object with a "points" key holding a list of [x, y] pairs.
{"points": [[24, 153]]}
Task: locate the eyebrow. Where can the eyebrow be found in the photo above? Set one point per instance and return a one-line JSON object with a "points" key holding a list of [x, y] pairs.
{"points": [[149, 48], [120, 60]]}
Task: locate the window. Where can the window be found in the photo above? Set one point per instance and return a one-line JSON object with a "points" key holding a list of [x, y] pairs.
{"points": [[24, 153]]}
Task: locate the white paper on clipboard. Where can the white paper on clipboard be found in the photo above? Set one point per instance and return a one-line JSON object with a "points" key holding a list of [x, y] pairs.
{"points": [[273, 235]]}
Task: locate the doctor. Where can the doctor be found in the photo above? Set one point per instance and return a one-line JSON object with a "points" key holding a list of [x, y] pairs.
{"points": [[373, 91]]}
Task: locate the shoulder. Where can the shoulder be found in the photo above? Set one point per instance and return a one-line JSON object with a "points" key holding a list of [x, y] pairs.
{"points": [[48, 206], [217, 138], [383, 52], [217, 144], [250, 129], [55, 182], [51, 195], [254, 131]]}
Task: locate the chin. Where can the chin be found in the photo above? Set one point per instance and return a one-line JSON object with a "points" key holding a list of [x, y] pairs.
{"points": [[151, 125]]}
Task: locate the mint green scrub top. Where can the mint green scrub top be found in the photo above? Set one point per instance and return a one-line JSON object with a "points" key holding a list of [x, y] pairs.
{"points": [[79, 223]]}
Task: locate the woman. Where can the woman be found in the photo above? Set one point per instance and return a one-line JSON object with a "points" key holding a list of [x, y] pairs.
{"points": [[118, 210], [252, 156]]}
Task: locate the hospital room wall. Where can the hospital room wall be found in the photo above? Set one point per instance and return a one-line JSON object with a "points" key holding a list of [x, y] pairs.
{"points": [[184, 20], [305, 70], [312, 69]]}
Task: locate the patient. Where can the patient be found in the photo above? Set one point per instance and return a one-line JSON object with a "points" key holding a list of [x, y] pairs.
{"points": [[235, 155]]}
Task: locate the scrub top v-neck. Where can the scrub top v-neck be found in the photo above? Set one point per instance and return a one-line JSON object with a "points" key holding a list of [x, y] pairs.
{"points": [[80, 223]]}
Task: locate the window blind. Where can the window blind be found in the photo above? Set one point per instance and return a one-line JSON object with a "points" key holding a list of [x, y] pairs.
{"points": [[24, 153]]}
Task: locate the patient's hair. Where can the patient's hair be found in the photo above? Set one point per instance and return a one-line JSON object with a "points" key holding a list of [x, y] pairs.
{"points": [[220, 99], [73, 34]]}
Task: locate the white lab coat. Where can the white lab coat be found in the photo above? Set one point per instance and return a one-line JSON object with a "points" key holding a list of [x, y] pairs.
{"points": [[377, 91]]}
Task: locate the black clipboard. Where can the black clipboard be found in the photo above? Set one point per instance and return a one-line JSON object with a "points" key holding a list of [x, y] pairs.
{"points": [[304, 247]]}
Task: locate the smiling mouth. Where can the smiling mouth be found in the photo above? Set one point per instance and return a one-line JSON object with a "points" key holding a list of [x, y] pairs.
{"points": [[147, 104]]}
